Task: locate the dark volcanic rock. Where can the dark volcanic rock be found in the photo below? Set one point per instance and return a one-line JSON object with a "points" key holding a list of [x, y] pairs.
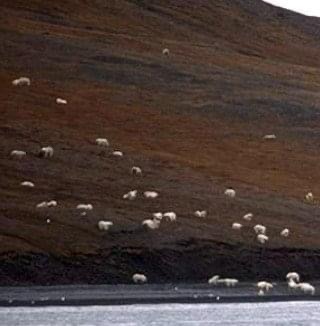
{"points": [[162, 266]]}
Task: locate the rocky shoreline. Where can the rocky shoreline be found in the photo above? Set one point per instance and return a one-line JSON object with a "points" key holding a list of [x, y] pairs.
{"points": [[188, 265], [142, 294]]}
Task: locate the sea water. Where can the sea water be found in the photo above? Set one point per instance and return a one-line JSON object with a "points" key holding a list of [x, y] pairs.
{"points": [[249, 314]]}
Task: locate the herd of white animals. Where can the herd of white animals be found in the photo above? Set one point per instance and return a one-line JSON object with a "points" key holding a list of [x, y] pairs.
{"points": [[292, 278]]}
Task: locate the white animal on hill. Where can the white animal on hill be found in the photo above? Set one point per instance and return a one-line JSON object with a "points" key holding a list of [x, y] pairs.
{"points": [[248, 217], [264, 286], [117, 153], [103, 142], [236, 226], [229, 282], [151, 224], [285, 233], [293, 276], [150, 194], [269, 137], [139, 278], [21, 81], [170, 216], [306, 288], [230, 192], [165, 51], [61, 101], [104, 225], [135, 170], [46, 151], [46, 204], [157, 216], [214, 279], [200, 214], [262, 238], [27, 184], [309, 197], [131, 195], [259, 229], [292, 284], [85, 207], [52, 203], [43, 204], [18, 154]]}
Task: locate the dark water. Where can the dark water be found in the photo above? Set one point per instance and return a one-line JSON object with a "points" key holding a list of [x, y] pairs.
{"points": [[252, 314]]}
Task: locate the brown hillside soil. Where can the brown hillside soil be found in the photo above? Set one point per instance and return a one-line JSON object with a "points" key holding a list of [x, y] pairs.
{"points": [[193, 120]]}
